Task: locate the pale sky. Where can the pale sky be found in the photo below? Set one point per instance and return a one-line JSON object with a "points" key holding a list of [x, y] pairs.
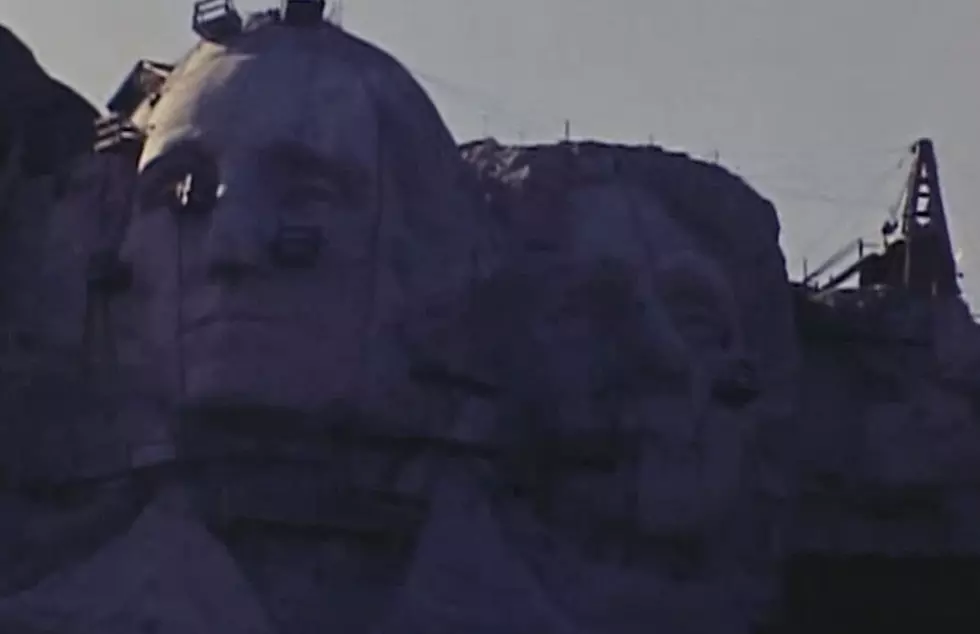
{"points": [[812, 101]]}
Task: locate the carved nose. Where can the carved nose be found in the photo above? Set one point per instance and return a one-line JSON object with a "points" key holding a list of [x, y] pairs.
{"points": [[296, 246], [234, 246]]}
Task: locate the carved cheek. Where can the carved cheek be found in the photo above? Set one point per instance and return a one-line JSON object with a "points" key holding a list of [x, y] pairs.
{"points": [[665, 419]]}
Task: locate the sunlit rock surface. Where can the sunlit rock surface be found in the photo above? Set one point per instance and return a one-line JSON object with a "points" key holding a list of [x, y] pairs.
{"points": [[280, 362]]}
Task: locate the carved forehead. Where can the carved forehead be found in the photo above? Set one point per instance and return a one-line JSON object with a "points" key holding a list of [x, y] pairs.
{"points": [[320, 87], [622, 221]]}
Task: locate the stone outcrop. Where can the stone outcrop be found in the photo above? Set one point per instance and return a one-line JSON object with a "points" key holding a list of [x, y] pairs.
{"points": [[534, 191], [41, 119], [887, 443], [164, 574], [362, 385], [881, 467], [640, 334], [300, 479], [59, 353]]}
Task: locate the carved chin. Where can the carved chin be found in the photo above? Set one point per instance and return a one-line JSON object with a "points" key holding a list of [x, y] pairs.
{"points": [[261, 368], [221, 386]]}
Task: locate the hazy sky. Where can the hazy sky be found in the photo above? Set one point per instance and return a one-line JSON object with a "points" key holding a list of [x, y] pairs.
{"points": [[813, 101]]}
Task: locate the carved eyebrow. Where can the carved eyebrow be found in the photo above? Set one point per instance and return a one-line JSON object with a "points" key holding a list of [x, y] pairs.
{"points": [[298, 160], [189, 149]]}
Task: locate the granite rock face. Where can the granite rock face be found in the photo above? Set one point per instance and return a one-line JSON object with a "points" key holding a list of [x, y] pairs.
{"points": [[361, 384], [60, 205], [886, 448], [60, 352], [285, 438], [42, 120], [163, 573], [635, 367], [62, 452], [881, 466], [598, 198]]}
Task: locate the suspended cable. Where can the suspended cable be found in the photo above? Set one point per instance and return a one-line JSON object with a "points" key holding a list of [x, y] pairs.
{"points": [[489, 103], [796, 158], [845, 251], [847, 206]]}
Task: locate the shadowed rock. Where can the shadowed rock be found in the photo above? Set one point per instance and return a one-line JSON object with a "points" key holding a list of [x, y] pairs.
{"points": [[53, 122], [342, 393], [640, 334]]}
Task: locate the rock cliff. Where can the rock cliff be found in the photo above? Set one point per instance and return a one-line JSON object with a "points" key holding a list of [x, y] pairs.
{"points": [[618, 391], [48, 121]]}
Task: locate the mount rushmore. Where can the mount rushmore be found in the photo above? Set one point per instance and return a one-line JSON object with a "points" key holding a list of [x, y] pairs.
{"points": [[281, 356]]}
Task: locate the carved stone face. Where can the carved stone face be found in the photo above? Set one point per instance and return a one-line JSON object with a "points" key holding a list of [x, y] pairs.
{"points": [[635, 334], [57, 350], [627, 318], [273, 237], [683, 301]]}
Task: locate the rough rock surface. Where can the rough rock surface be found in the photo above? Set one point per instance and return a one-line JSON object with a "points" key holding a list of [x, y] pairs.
{"points": [[56, 363], [164, 574], [636, 364], [536, 190], [881, 466], [40, 118], [395, 219], [559, 389], [887, 444]]}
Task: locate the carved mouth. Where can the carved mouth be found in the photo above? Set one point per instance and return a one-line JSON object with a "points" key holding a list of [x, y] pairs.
{"points": [[223, 319]]}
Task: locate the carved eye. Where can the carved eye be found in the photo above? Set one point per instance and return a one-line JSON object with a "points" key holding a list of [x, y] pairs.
{"points": [[181, 181], [157, 193], [296, 246], [701, 323], [300, 176], [699, 315], [738, 384], [304, 190], [197, 191]]}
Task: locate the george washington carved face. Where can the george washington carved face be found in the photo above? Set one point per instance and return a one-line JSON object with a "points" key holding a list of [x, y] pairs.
{"points": [[296, 194]]}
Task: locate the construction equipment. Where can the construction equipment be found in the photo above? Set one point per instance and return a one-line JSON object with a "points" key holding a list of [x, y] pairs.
{"points": [[303, 12], [216, 20], [146, 79], [117, 135], [917, 253]]}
